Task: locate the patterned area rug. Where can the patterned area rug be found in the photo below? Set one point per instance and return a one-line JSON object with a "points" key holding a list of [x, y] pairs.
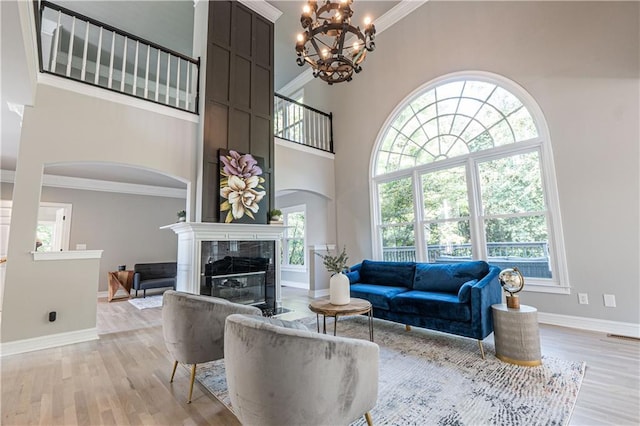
{"points": [[439, 379], [147, 302]]}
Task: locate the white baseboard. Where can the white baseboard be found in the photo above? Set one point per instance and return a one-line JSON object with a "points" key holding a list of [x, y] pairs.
{"points": [[119, 293], [294, 284], [318, 293], [46, 342], [591, 324]]}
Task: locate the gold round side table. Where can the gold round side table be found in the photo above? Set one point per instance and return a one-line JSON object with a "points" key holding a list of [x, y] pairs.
{"points": [[326, 309]]}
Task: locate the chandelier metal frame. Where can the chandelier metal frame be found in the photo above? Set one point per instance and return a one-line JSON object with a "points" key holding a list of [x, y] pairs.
{"points": [[330, 44]]}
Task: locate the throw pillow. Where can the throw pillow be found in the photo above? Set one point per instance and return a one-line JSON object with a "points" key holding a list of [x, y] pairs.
{"points": [[464, 294]]}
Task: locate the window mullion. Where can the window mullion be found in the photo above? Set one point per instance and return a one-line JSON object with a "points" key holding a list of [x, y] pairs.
{"points": [[476, 219], [418, 213]]}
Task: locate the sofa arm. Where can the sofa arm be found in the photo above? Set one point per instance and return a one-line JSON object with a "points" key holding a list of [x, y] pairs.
{"points": [[136, 281], [485, 293], [354, 276]]}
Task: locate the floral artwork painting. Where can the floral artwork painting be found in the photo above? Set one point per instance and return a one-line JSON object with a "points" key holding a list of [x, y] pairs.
{"points": [[242, 192]]}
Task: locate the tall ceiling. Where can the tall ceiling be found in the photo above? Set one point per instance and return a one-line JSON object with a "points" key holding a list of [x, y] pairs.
{"points": [[168, 23]]}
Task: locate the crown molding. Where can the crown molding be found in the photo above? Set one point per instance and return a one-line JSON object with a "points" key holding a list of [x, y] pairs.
{"points": [[263, 8], [8, 176], [384, 22]]}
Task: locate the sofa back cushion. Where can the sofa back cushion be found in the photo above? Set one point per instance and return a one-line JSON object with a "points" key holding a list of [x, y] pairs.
{"points": [[151, 271], [397, 274], [448, 278]]}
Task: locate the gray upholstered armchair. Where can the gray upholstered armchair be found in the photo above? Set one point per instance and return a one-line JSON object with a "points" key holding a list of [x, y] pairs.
{"points": [[279, 375], [193, 327]]}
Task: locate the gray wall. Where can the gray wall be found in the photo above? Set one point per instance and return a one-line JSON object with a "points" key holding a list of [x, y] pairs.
{"points": [[125, 226], [580, 61], [319, 221]]}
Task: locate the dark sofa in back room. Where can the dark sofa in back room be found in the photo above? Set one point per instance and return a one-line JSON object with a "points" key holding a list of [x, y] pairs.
{"points": [[452, 298], [154, 275]]}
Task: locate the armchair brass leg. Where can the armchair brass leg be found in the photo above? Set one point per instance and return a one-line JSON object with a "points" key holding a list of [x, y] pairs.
{"points": [[407, 327], [368, 418], [193, 379], [481, 348], [175, 365]]}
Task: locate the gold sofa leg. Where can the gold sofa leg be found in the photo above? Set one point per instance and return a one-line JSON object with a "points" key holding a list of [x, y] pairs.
{"points": [[368, 418], [175, 365], [193, 379], [407, 327], [481, 348]]}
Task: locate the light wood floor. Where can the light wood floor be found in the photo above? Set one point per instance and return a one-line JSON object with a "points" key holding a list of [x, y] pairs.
{"points": [[123, 378]]}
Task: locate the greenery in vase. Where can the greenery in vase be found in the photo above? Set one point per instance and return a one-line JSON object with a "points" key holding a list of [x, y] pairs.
{"points": [[182, 213], [335, 264]]}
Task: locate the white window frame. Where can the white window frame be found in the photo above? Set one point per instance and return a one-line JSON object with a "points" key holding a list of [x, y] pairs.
{"points": [[285, 266], [560, 282]]}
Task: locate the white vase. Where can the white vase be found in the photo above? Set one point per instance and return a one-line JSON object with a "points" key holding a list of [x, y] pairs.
{"points": [[339, 289]]}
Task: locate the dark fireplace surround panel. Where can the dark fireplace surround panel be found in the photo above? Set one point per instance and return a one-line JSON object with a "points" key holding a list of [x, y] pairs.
{"points": [[239, 271]]}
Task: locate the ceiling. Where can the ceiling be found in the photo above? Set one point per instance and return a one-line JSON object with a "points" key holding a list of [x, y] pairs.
{"points": [[169, 23]]}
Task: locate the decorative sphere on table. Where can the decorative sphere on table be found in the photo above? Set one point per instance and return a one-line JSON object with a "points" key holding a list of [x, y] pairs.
{"points": [[512, 282]]}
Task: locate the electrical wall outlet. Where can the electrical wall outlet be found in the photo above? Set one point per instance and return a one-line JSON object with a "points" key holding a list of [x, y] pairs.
{"points": [[583, 298], [81, 246], [609, 300]]}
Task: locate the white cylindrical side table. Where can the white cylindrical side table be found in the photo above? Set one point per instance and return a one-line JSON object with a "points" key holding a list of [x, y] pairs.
{"points": [[516, 334]]}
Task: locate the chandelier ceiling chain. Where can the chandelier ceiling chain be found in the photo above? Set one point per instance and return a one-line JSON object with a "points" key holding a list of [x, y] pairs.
{"points": [[330, 44]]}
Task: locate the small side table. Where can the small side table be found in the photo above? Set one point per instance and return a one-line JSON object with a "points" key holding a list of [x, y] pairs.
{"points": [[119, 279], [326, 309], [516, 335]]}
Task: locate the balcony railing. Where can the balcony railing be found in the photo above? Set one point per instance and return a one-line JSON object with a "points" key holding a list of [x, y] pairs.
{"points": [[80, 48], [299, 123], [531, 258]]}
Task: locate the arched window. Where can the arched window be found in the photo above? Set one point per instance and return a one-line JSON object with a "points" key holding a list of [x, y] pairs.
{"points": [[463, 170]]}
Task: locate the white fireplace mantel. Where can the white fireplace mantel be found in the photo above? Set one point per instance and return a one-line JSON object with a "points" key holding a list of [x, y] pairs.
{"points": [[192, 234]]}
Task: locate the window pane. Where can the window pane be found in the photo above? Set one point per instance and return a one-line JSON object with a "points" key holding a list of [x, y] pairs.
{"points": [[512, 185], [296, 252], [396, 201], [445, 194], [521, 242], [398, 243], [448, 241], [295, 225]]}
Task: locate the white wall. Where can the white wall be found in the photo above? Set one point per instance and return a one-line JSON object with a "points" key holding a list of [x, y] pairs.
{"points": [[580, 61], [64, 126]]}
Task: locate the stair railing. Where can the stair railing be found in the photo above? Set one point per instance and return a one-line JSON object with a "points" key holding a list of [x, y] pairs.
{"points": [[80, 48], [299, 123]]}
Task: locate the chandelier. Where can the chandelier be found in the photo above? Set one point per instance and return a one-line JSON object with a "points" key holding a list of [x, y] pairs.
{"points": [[330, 44]]}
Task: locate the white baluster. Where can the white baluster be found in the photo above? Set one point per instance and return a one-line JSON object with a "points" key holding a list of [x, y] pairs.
{"points": [[98, 57], [135, 69], [178, 85], [70, 51], [124, 65], [187, 89], [113, 48], [158, 76], [146, 73], [166, 95], [55, 45], [84, 51]]}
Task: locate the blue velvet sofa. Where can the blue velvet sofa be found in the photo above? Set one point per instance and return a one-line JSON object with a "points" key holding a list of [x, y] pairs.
{"points": [[452, 298]]}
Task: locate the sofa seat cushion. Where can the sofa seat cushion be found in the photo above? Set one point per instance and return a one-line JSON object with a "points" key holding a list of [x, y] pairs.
{"points": [[447, 278], [378, 295], [394, 274], [157, 283], [431, 304]]}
